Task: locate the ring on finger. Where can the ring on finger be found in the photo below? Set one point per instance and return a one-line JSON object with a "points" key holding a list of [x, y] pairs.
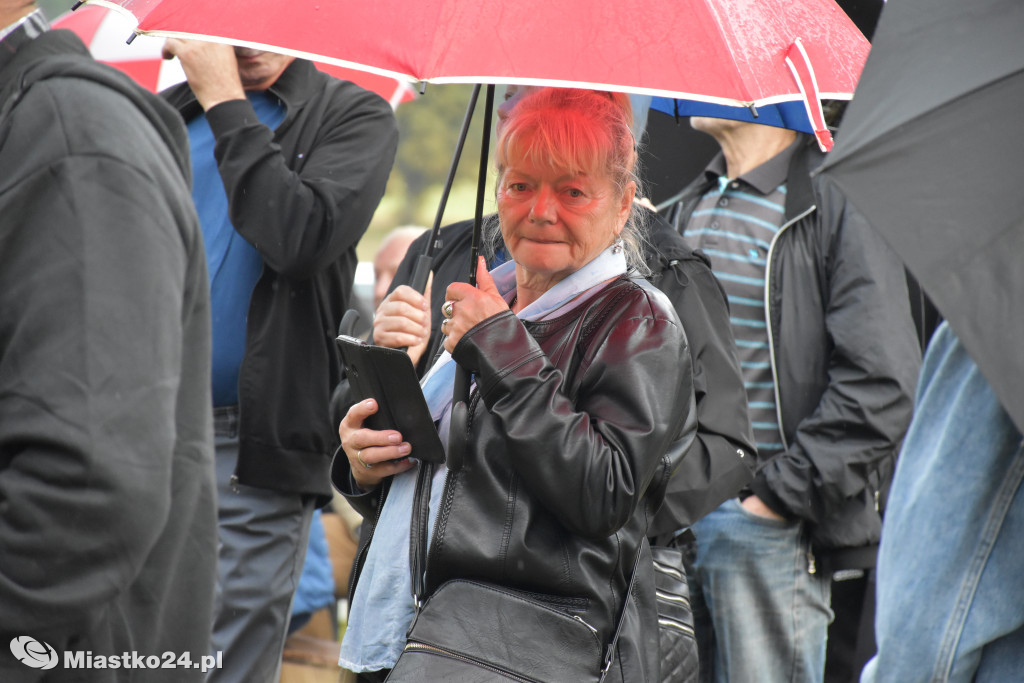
{"points": [[448, 309], [359, 457], [443, 323]]}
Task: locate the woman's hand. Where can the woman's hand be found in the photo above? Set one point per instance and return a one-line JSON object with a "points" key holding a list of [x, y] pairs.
{"points": [[403, 319], [372, 454], [470, 305]]}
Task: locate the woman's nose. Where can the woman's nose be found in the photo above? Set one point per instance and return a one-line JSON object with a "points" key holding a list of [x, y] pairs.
{"points": [[543, 209]]}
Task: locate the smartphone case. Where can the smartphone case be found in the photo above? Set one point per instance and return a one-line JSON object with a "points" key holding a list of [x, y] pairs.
{"points": [[388, 376]]}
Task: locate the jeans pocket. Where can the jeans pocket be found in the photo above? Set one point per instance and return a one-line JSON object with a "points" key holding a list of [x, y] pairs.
{"points": [[761, 520]]}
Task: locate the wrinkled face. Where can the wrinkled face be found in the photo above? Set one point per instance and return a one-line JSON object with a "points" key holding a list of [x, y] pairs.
{"points": [[555, 221], [258, 69]]}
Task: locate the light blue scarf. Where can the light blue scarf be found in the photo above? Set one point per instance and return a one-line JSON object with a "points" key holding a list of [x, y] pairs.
{"points": [[382, 607]]}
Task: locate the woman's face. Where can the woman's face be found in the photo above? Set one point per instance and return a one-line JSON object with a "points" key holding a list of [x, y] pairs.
{"points": [[554, 222]]}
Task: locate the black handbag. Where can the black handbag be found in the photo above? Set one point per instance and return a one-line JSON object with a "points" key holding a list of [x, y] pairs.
{"points": [[677, 643], [472, 631], [475, 632]]}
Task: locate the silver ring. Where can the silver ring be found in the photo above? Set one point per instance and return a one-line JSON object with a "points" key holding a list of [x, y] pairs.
{"points": [[359, 457], [448, 309], [443, 323]]}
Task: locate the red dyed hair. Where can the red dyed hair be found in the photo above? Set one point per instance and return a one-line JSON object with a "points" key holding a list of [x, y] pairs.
{"points": [[578, 130]]}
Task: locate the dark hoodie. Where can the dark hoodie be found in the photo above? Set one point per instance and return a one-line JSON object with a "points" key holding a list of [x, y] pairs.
{"points": [[107, 499]]}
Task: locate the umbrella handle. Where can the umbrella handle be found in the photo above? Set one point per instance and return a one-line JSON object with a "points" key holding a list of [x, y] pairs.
{"points": [[457, 436], [459, 419], [421, 273], [347, 326]]}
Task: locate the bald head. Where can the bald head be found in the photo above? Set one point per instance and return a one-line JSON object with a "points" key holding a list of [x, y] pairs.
{"points": [[389, 256]]}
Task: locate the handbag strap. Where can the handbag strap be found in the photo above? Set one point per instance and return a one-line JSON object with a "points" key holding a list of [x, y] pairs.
{"points": [[418, 531], [656, 488], [609, 653]]}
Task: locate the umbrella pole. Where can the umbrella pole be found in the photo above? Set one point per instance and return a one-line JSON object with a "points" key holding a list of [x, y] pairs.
{"points": [[421, 271], [481, 185], [460, 392]]}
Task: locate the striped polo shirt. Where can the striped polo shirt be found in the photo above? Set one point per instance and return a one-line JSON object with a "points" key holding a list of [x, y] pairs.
{"points": [[734, 223]]}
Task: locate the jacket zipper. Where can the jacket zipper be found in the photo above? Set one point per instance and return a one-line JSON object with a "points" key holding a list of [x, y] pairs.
{"points": [[430, 649], [678, 625], [672, 597], [768, 318], [666, 569], [446, 493]]}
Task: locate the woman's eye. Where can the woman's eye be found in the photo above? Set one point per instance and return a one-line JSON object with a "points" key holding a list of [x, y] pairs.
{"points": [[517, 187], [573, 192]]}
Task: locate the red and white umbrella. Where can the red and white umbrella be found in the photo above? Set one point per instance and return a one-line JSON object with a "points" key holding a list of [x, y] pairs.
{"points": [[106, 32], [736, 53]]}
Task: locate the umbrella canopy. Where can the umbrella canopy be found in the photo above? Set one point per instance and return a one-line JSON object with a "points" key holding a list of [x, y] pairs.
{"points": [[794, 113], [105, 33], [734, 53], [927, 152]]}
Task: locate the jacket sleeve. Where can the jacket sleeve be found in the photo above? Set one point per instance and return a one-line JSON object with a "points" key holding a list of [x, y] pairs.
{"points": [[604, 448], [721, 459], [92, 276], [874, 361], [303, 214]]}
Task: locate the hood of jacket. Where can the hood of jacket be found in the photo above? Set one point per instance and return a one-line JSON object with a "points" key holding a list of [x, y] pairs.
{"points": [[60, 53]]}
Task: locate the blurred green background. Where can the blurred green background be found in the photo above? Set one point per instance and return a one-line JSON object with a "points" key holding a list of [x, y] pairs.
{"points": [[428, 132]]}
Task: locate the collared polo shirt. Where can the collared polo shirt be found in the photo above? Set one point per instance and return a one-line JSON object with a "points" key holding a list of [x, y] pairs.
{"points": [[734, 223]]}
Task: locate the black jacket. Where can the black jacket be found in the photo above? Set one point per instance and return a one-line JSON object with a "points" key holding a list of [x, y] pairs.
{"points": [[303, 195], [108, 522], [568, 427], [844, 356], [713, 469]]}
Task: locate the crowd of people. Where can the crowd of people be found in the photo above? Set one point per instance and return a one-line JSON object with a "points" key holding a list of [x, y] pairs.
{"points": [[664, 436]]}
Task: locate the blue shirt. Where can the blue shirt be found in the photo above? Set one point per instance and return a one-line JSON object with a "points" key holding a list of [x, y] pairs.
{"points": [[233, 264]]}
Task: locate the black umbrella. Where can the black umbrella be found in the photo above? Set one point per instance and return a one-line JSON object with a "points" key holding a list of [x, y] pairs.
{"points": [[930, 150]]}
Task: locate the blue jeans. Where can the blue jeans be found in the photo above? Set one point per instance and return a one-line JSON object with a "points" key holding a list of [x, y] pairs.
{"points": [[761, 617], [951, 561]]}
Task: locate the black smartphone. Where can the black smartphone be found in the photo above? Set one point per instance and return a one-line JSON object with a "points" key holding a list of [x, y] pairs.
{"points": [[388, 376]]}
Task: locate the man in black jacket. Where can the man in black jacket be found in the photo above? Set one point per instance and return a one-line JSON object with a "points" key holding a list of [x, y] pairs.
{"points": [[108, 537], [821, 318], [290, 165]]}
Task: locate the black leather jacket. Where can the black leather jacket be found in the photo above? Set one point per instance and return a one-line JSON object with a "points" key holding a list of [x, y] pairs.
{"points": [[717, 464], [569, 425], [303, 195]]}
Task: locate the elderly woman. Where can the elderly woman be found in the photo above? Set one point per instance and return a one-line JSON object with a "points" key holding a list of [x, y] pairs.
{"points": [[580, 384]]}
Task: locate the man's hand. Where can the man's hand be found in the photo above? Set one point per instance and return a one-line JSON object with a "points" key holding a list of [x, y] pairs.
{"points": [[755, 505], [211, 70]]}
